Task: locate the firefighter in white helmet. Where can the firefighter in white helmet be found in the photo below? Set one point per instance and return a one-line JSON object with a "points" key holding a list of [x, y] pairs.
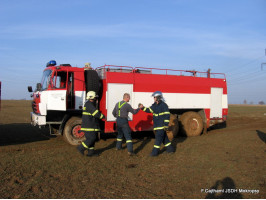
{"points": [[90, 124], [161, 117]]}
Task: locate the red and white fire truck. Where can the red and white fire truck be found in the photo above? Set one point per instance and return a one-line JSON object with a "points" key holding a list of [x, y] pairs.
{"points": [[196, 100]]}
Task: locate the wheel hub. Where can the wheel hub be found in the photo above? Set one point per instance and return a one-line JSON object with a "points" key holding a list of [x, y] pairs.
{"points": [[194, 124], [76, 132]]}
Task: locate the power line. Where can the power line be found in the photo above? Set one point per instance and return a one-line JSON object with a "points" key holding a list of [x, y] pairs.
{"points": [[246, 81], [243, 66], [247, 76]]}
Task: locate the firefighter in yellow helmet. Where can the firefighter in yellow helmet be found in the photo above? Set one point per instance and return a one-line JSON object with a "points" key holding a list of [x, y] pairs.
{"points": [[90, 124]]}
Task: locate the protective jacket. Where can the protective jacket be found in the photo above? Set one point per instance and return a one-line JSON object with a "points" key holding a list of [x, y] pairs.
{"points": [[161, 115], [90, 117]]}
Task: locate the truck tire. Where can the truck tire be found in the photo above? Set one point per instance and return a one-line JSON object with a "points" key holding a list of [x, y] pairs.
{"points": [[191, 124], [71, 129], [173, 127], [92, 81]]}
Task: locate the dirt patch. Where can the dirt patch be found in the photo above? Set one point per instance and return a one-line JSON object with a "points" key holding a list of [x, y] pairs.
{"points": [[232, 159]]}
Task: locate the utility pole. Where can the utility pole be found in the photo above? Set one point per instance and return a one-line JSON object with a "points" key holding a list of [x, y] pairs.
{"points": [[263, 63]]}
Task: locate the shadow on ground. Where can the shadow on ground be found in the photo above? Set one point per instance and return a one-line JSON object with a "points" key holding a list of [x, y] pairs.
{"points": [[224, 189], [143, 138], [261, 135], [21, 133]]}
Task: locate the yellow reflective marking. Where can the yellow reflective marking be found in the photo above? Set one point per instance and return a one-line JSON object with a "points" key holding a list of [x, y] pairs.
{"points": [[84, 145], [155, 146], [158, 128], [168, 144], [95, 112], [129, 141], [86, 113], [89, 129], [119, 107]]}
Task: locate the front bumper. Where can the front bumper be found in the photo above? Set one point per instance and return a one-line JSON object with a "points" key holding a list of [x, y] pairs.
{"points": [[37, 119]]}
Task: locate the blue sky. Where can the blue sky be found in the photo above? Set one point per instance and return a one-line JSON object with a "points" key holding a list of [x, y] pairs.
{"points": [[224, 35]]}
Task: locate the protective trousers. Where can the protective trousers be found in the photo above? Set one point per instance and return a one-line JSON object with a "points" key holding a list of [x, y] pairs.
{"points": [[90, 141], [124, 130], [161, 137]]}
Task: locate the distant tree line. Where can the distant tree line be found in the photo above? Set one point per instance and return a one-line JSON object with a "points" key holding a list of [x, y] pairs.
{"points": [[260, 102]]}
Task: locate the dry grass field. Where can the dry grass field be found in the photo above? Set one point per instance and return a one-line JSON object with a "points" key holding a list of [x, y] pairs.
{"points": [[36, 165]]}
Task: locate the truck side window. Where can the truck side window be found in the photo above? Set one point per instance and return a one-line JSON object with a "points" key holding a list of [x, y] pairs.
{"points": [[60, 80]]}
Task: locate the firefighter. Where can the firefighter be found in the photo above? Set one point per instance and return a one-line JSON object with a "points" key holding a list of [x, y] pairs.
{"points": [[90, 124], [161, 117], [120, 112]]}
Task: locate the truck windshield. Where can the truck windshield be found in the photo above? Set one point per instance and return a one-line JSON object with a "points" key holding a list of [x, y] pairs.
{"points": [[46, 78]]}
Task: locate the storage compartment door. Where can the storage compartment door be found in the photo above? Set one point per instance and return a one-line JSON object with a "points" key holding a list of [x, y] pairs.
{"points": [[216, 102], [115, 94]]}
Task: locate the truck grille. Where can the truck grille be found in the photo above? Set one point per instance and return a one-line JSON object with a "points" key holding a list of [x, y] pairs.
{"points": [[35, 107]]}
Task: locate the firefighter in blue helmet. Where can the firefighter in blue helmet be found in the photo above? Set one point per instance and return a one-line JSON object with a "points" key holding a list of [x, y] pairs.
{"points": [[90, 124], [161, 117]]}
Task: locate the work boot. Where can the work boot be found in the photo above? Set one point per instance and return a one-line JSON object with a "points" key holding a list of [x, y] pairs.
{"points": [[119, 145], [155, 152], [92, 154], [166, 152], [131, 153], [81, 149], [170, 149], [153, 155]]}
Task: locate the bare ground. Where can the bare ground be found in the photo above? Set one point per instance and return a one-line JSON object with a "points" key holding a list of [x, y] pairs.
{"points": [[36, 165]]}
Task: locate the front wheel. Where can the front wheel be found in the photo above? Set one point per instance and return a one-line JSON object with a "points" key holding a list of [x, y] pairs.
{"points": [[71, 131], [191, 124]]}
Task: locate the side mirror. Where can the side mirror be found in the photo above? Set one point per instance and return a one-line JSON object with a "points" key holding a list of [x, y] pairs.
{"points": [[30, 89], [39, 86]]}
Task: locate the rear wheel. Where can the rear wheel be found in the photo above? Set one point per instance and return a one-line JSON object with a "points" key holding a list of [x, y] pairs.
{"points": [[71, 131], [191, 124], [173, 127]]}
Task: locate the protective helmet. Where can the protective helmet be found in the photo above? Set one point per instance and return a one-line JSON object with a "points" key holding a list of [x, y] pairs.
{"points": [[91, 95], [158, 95]]}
